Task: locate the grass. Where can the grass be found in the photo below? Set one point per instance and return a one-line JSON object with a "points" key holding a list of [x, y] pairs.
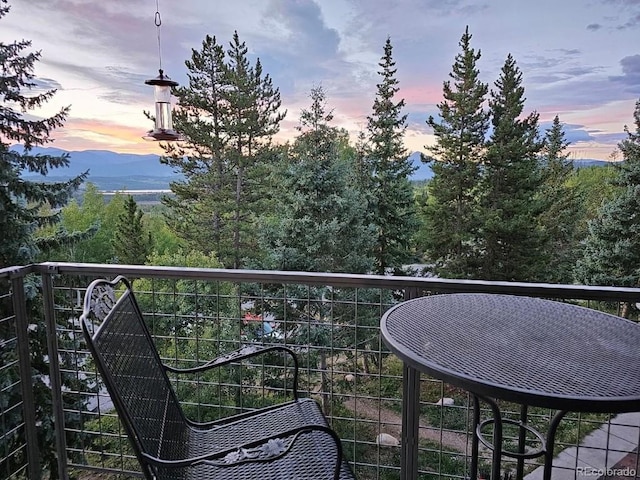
{"points": [[104, 447], [571, 431]]}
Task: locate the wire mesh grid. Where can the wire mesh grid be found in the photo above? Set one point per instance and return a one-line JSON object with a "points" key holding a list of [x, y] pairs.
{"points": [[334, 333], [13, 458], [343, 365]]}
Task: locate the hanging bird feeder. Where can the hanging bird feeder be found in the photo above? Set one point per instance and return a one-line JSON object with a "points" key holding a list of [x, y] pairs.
{"points": [[163, 130], [164, 125]]}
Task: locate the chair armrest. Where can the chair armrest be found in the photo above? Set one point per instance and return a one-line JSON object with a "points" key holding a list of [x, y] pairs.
{"points": [[263, 450], [246, 351]]}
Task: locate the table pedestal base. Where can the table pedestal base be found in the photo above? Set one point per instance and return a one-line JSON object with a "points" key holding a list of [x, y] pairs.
{"points": [[546, 443]]}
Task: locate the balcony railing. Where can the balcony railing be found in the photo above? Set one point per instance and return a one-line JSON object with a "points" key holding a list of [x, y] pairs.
{"points": [[331, 320]]}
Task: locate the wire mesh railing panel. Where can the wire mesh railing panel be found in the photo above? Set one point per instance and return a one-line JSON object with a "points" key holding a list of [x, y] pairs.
{"points": [[13, 447], [333, 331], [333, 328]]}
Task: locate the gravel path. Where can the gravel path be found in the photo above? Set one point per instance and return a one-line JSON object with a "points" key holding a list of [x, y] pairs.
{"points": [[391, 423]]}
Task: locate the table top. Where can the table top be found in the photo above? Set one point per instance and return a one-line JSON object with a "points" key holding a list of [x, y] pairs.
{"points": [[527, 350]]}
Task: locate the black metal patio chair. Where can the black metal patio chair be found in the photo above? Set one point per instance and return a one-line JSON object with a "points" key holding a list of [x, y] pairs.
{"points": [[291, 440]]}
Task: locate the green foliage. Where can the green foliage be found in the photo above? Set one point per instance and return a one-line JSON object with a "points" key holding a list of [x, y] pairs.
{"points": [[593, 185], [203, 201], [25, 207], [390, 197], [191, 303], [131, 242], [228, 114], [512, 239], [450, 220], [194, 321], [612, 249], [95, 216], [320, 224], [21, 200], [165, 240], [562, 209], [106, 232], [109, 438]]}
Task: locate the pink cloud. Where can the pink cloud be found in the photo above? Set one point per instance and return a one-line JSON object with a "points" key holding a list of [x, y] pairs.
{"points": [[421, 94]]}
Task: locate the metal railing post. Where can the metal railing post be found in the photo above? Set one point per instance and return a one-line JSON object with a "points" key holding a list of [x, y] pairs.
{"points": [[54, 373], [24, 362], [411, 417]]}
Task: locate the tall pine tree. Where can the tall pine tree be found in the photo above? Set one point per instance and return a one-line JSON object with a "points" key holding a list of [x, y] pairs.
{"points": [[21, 214], [254, 117], [612, 249], [202, 202], [319, 225], [392, 205], [320, 221], [228, 114], [562, 208], [512, 240], [450, 228], [20, 199]]}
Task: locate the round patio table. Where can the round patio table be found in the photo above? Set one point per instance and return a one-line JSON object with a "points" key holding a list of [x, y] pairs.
{"points": [[526, 350]]}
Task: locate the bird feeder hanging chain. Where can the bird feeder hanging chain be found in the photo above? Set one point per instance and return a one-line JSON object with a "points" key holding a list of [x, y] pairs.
{"points": [[158, 22]]}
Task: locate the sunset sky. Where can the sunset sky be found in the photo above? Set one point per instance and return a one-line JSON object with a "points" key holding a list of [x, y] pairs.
{"points": [[580, 58]]}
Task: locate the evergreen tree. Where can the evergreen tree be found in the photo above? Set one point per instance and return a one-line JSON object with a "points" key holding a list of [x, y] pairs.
{"points": [[202, 202], [228, 114], [254, 106], [562, 208], [594, 185], [450, 228], [512, 240], [26, 206], [392, 203], [131, 243], [320, 226], [21, 200], [612, 250], [92, 215]]}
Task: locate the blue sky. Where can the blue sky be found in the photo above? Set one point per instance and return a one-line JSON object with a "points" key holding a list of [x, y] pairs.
{"points": [[580, 58]]}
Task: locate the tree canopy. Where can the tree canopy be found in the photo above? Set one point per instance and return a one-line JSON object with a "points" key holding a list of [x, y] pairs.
{"points": [[21, 200], [25, 206], [320, 222], [511, 240], [228, 113], [450, 216], [391, 196], [612, 249]]}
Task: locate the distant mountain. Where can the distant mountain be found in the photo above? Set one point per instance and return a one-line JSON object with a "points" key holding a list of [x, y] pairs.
{"points": [[590, 162], [103, 163], [423, 170], [114, 171]]}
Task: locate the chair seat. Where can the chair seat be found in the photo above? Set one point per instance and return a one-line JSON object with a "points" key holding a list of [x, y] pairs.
{"points": [[304, 460]]}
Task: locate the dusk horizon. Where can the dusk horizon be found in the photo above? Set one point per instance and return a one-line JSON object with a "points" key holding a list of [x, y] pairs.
{"points": [[578, 60]]}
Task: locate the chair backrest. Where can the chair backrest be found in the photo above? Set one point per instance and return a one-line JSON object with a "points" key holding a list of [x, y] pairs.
{"points": [[127, 359]]}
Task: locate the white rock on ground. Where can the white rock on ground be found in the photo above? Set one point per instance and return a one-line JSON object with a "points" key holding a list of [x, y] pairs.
{"points": [[386, 440]]}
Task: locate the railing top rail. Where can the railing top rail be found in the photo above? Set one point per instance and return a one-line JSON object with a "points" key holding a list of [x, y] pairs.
{"points": [[584, 292], [17, 271]]}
